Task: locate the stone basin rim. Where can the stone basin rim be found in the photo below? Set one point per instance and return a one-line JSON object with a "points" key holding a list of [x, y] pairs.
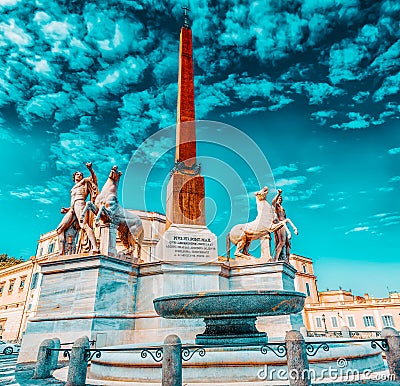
{"points": [[229, 304], [206, 294]]}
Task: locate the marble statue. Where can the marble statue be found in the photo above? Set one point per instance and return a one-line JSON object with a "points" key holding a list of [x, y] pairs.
{"points": [[282, 236], [241, 235], [112, 218], [73, 218]]}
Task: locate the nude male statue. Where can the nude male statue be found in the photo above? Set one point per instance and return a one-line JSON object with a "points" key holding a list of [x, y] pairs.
{"points": [[79, 193], [282, 238]]}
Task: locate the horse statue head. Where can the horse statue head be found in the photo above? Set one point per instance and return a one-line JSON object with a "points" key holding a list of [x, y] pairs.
{"points": [[262, 194], [115, 174]]}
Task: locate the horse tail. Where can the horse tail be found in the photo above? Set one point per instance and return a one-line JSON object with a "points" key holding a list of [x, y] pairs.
{"points": [[228, 245]]}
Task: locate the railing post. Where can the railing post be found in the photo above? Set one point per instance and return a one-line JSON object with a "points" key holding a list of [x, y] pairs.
{"points": [[78, 362], [392, 337], [345, 332], [172, 361], [44, 360], [55, 354], [298, 369]]}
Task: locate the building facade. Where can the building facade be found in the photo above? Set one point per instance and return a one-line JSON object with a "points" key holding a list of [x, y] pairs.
{"points": [[14, 288], [327, 312]]}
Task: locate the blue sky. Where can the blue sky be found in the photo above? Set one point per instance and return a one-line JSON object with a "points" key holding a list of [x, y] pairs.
{"points": [[314, 83]]}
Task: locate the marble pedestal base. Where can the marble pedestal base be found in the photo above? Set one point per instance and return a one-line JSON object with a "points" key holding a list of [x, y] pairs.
{"points": [[82, 296]]}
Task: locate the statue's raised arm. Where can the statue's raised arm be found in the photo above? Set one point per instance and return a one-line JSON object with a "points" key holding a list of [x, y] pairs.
{"points": [[92, 183], [275, 199]]}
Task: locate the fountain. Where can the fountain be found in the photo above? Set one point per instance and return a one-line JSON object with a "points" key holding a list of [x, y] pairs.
{"points": [[230, 316]]}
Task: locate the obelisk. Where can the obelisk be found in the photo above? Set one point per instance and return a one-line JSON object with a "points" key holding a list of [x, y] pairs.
{"points": [[185, 191], [187, 238]]}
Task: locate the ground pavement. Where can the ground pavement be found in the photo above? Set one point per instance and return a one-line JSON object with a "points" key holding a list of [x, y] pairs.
{"points": [[13, 375]]}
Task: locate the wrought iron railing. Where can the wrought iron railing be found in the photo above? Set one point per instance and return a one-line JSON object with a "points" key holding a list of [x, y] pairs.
{"points": [[339, 334], [188, 351], [91, 342]]}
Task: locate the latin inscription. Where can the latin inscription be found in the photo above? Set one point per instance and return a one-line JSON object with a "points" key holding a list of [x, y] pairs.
{"points": [[191, 247]]}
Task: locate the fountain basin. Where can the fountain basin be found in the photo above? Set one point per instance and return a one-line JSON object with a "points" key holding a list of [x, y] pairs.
{"points": [[230, 316]]}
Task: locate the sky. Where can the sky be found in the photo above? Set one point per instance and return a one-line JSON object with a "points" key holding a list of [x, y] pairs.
{"points": [[313, 84]]}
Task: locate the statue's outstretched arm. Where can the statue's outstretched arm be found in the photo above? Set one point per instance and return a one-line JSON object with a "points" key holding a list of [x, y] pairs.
{"points": [[93, 174], [276, 197]]}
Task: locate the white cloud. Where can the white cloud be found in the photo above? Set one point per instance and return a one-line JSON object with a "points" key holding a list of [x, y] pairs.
{"points": [[395, 150], [358, 229], [291, 181], [14, 34], [283, 169], [314, 206], [314, 169], [57, 30]]}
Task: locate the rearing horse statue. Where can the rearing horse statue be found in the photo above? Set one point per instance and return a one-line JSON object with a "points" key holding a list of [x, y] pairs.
{"points": [[265, 223], [108, 210]]}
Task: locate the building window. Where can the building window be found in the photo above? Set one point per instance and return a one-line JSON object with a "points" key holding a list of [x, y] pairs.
{"points": [[350, 319], [1, 288], [34, 280], [308, 289], [11, 286], [334, 321], [22, 283], [41, 252], [318, 322], [2, 324], [369, 321], [387, 320], [304, 268], [50, 248]]}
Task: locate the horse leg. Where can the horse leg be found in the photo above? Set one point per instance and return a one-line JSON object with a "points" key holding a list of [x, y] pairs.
{"points": [[89, 206], [246, 247], [240, 245], [99, 213]]}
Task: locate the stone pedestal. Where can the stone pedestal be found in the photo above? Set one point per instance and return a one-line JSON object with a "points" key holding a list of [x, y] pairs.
{"points": [[265, 243], [108, 240], [82, 295]]}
